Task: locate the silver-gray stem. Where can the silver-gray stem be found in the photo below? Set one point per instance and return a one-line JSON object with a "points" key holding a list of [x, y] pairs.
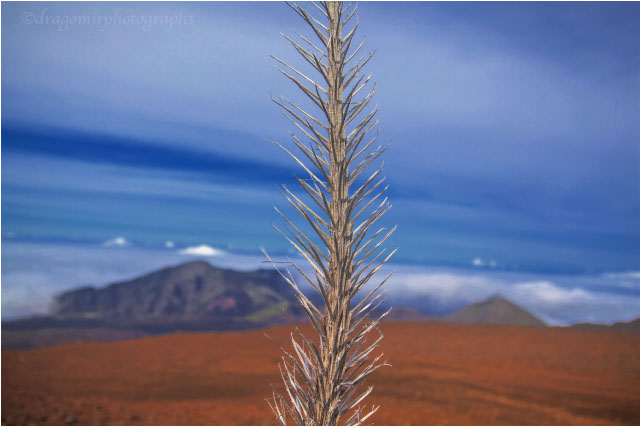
{"points": [[323, 377]]}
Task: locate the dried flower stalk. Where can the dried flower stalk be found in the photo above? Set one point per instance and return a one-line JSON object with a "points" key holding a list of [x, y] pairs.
{"points": [[323, 378]]}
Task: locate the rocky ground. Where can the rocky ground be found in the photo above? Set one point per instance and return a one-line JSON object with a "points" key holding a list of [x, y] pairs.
{"points": [[441, 374]]}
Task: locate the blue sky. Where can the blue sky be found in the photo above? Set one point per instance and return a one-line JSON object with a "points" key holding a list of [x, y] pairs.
{"points": [[514, 129]]}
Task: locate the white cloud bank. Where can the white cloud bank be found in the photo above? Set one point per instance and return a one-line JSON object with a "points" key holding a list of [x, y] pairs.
{"points": [[558, 300], [202, 250]]}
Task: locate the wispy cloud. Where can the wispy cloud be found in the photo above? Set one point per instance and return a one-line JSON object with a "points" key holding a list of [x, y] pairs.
{"points": [[108, 149], [117, 242]]}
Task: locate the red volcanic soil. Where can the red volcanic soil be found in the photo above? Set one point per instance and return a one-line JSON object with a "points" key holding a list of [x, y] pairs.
{"points": [[441, 374]]}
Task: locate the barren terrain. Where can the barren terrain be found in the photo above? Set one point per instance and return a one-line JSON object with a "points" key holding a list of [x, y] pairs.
{"points": [[441, 374]]}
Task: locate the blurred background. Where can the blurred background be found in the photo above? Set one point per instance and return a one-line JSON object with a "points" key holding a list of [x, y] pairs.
{"points": [[134, 136]]}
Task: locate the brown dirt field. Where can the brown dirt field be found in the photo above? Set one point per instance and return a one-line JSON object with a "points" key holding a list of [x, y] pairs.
{"points": [[441, 374]]}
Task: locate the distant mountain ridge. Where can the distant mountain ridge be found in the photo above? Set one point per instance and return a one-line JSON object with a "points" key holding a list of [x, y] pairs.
{"points": [[194, 296], [631, 326], [495, 311], [192, 290]]}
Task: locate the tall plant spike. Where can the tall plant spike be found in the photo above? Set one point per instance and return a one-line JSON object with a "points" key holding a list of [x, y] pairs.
{"points": [[324, 377]]}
